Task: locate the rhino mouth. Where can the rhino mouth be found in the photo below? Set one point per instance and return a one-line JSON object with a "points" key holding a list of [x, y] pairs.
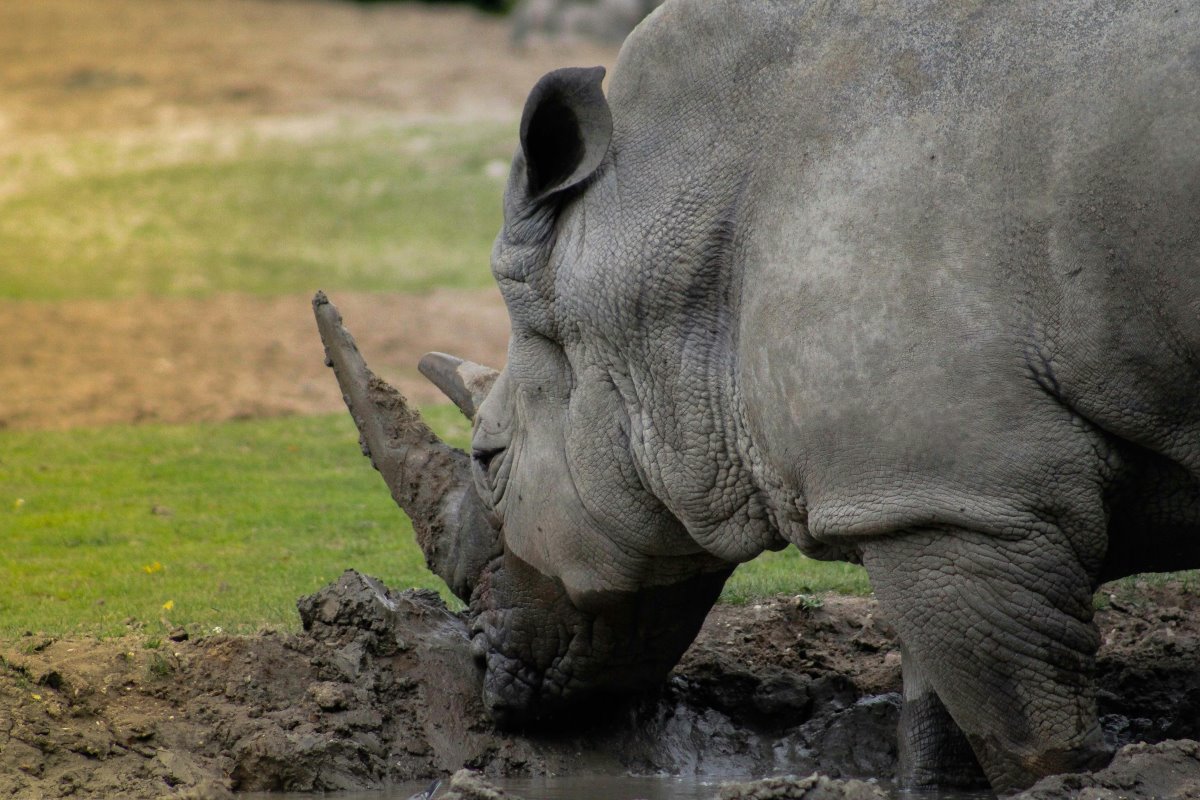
{"points": [[531, 641], [542, 655], [515, 691]]}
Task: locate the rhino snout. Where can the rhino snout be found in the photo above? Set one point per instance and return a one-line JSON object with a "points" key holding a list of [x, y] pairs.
{"points": [[542, 653]]}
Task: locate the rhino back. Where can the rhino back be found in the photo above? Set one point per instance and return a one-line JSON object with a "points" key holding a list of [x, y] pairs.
{"points": [[964, 259]]}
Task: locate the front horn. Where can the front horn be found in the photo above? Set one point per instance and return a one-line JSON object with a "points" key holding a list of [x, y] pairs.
{"points": [[430, 480]]}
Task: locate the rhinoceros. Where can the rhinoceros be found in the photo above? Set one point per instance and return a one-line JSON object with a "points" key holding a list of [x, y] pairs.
{"points": [[909, 284]]}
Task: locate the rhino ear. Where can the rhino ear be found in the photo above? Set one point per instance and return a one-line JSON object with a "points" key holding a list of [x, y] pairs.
{"points": [[565, 130]]}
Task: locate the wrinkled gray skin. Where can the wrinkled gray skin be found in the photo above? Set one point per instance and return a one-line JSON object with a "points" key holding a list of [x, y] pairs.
{"points": [[912, 284]]}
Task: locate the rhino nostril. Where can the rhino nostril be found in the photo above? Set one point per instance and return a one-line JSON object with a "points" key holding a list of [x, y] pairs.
{"points": [[484, 457], [488, 464]]}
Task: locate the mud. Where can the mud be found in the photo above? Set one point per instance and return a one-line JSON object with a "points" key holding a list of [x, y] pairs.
{"points": [[812, 787], [1166, 770], [469, 785], [380, 688]]}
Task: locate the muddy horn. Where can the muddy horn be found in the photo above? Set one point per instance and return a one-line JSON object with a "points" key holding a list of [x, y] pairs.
{"points": [[429, 479]]}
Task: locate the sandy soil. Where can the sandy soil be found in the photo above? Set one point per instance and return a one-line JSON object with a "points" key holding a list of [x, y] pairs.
{"points": [[227, 357]]}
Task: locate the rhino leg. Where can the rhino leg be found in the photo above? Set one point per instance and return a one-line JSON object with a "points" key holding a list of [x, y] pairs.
{"points": [[933, 749], [1001, 631]]}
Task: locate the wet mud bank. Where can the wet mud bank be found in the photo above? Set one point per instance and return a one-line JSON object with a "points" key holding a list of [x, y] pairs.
{"points": [[381, 688]]}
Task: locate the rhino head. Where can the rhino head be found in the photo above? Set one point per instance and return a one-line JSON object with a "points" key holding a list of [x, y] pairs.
{"points": [[599, 587], [580, 581]]}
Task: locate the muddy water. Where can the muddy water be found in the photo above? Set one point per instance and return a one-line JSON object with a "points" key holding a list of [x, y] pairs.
{"points": [[381, 689], [598, 787]]}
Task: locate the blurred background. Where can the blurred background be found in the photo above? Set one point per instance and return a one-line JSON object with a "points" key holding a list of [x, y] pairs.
{"points": [[173, 171], [177, 177]]}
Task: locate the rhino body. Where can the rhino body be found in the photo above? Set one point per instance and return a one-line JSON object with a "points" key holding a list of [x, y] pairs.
{"points": [[911, 284]]}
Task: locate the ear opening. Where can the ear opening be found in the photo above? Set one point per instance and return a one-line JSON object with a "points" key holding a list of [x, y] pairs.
{"points": [[566, 129]]}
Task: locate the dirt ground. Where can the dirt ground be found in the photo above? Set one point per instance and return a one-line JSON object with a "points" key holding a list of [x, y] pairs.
{"points": [[88, 362], [111, 66], [381, 688]]}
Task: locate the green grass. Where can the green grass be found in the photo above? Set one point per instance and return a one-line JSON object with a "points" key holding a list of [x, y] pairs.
{"points": [[789, 572], [383, 209], [227, 524]]}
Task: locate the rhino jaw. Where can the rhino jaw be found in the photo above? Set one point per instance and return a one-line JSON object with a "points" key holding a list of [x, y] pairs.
{"points": [[542, 654]]}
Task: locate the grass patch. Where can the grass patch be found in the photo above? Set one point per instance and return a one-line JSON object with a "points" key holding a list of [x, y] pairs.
{"points": [[399, 209], [225, 525], [211, 525], [789, 572], [1136, 590]]}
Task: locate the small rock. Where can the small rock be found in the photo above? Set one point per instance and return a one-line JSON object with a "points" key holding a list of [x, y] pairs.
{"points": [[814, 787], [469, 785], [330, 696]]}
